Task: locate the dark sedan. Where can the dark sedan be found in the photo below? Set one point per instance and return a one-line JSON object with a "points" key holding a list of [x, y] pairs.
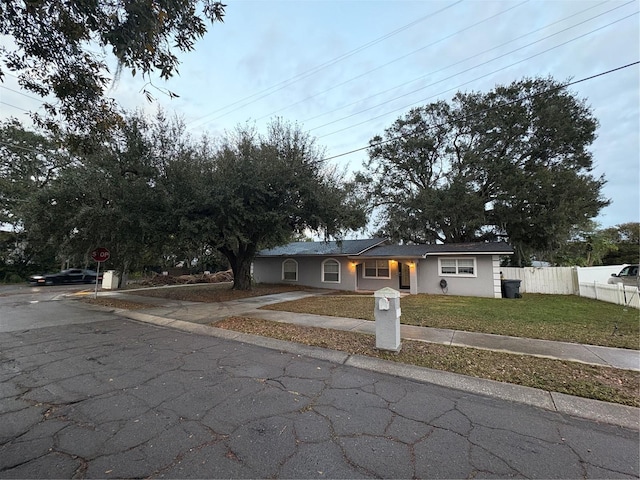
{"points": [[71, 275]]}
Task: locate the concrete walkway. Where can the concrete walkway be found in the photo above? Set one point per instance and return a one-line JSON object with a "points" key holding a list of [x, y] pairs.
{"points": [[207, 313]]}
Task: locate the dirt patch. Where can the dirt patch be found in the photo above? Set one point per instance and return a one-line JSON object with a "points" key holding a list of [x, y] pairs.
{"points": [[212, 293], [116, 303]]}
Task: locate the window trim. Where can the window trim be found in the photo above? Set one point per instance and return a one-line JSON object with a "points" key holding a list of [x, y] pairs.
{"points": [[457, 266], [376, 276], [322, 272], [295, 262]]}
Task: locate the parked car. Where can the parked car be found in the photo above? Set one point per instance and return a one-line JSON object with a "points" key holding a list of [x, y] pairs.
{"points": [[627, 276], [71, 275]]}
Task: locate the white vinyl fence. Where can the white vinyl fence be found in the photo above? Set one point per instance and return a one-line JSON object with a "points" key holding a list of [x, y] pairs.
{"points": [[571, 281], [618, 293]]}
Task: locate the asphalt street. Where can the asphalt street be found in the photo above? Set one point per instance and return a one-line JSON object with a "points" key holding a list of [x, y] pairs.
{"points": [[100, 396]]}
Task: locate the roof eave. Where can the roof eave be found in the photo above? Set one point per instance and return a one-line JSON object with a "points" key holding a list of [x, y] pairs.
{"points": [[391, 257], [468, 252]]}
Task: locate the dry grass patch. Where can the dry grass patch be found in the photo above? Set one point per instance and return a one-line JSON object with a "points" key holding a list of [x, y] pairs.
{"points": [[600, 383], [212, 293], [116, 303]]}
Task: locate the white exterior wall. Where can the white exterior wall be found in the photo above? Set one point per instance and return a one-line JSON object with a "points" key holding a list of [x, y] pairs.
{"points": [[482, 285], [373, 284], [269, 270], [425, 277]]}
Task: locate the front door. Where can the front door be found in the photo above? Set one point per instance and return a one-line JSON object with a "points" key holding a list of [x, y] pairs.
{"points": [[405, 276]]}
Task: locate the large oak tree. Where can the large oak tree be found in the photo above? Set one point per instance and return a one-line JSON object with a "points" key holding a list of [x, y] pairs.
{"points": [[148, 191], [29, 163], [260, 190], [109, 197], [511, 163], [61, 48]]}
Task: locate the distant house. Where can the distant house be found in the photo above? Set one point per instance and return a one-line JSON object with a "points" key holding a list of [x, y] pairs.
{"points": [[471, 269]]}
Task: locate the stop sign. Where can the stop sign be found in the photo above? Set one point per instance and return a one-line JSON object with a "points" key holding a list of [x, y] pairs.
{"points": [[100, 254]]}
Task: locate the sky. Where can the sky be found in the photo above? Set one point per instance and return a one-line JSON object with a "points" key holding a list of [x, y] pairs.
{"points": [[346, 70]]}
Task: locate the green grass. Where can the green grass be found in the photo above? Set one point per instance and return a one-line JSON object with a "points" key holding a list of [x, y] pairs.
{"points": [[550, 317]]}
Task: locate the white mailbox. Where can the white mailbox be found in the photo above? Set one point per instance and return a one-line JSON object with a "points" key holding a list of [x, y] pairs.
{"points": [[387, 314]]}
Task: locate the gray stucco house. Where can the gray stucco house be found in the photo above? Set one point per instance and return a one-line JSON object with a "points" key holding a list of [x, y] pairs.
{"points": [[470, 269]]}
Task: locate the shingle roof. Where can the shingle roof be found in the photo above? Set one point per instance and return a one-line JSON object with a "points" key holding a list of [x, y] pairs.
{"points": [[346, 247], [501, 248], [376, 247]]}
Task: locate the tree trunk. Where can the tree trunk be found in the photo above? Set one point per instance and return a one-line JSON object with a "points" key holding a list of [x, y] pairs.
{"points": [[241, 267], [242, 275], [519, 256], [122, 280]]}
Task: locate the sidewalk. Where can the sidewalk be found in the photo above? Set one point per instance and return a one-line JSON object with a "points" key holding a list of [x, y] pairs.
{"points": [[203, 313]]}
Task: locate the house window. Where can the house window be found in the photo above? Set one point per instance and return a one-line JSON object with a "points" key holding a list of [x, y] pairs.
{"points": [[290, 270], [331, 271], [376, 269], [462, 267]]}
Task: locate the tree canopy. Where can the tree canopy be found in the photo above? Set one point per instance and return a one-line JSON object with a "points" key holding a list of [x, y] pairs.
{"points": [[626, 240], [30, 161], [60, 47], [512, 163], [151, 194], [259, 190]]}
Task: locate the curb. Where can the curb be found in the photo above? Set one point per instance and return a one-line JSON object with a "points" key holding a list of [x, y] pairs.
{"points": [[589, 409]]}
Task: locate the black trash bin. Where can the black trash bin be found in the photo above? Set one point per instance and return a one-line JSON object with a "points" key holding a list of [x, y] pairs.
{"points": [[511, 288]]}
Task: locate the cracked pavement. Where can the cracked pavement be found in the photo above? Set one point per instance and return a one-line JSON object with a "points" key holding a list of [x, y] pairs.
{"points": [[113, 398]]}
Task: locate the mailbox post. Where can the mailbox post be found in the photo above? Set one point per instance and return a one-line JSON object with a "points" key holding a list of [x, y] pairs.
{"points": [[387, 314]]}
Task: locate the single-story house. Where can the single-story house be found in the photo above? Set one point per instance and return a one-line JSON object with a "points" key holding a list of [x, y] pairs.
{"points": [[471, 269]]}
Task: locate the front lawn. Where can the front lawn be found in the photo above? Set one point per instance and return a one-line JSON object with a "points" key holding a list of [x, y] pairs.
{"points": [[565, 318]]}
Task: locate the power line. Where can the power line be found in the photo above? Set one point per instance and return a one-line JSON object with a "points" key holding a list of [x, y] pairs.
{"points": [[430, 45], [279, 86], [14, 106], [21, 93], [456, 87], [398, 137], [395, 60], [464, 60], [11, 145]]}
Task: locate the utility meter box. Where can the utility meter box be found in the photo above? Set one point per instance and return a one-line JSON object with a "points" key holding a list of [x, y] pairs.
{"points": [[387, 314], [110, 280]]}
